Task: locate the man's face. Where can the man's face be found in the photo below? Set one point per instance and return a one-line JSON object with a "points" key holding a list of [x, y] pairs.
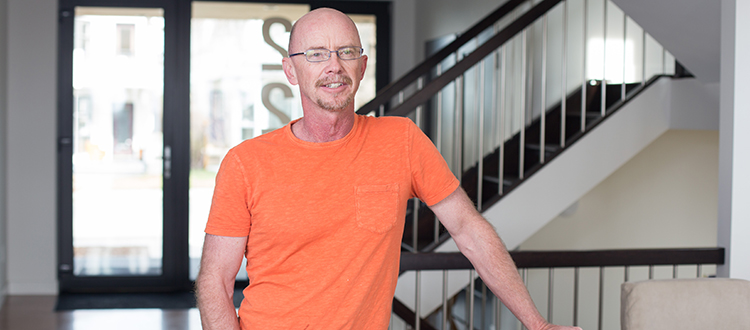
{"points": [[328, 85]]}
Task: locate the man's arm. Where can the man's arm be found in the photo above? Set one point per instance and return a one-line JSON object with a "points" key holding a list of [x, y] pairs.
{"points": [[222, 258], [479, 242]]}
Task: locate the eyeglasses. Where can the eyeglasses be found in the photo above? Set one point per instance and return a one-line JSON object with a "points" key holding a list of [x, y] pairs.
{"points": [[322, 55]]}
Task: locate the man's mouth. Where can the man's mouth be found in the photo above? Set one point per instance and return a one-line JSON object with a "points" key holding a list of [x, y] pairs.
{"points": [[334, 82]]}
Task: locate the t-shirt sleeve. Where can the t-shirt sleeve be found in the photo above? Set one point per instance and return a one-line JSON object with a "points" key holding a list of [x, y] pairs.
{"points": [[432, 179], [230, 215]]}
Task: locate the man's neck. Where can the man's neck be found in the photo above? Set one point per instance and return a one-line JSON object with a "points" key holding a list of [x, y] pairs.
{"points": [[325, 126]]}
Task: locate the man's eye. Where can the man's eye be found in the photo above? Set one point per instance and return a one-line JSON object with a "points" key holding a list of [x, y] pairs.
{"points": [[347, 51], [315, 54]]}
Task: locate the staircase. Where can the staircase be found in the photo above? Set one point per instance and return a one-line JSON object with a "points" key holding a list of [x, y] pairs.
{"points": [[525, 126]]}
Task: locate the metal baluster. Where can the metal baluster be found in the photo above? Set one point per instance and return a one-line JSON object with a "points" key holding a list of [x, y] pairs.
{"points": [[674, 271], [445, 300], [458, 131], [623, 90], [542, 133], [604, 62], [522, 151], [493, 89], [498, 307], [501, 124], [550, 294], [564, 74], [439, 128], [480, 166], [651, 272], [643, 74], [418, 299], [439, 139], [471, 300], [700, 270], [415, 224], [416, 202], [601, 297], [418, 116], [525, 276], [458, 123], [575, 296], [382, 110], [484, 305], [627, 273], [585, 83]]}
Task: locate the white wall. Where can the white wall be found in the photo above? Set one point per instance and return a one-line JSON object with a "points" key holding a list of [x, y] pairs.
{"points": [[438, 18], [3, 129], [404, 52], [31, 151], [687, 28], [695, 105], [666, 196], [734, 178]]}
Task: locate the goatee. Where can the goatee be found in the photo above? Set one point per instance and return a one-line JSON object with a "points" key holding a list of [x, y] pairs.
{"points": [[336, 104]]}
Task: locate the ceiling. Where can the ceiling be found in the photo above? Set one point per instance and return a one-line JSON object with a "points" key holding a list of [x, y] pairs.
{"points": [[689, 29]]}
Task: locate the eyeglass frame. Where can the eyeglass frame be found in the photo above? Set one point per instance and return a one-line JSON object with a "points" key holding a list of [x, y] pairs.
{"points": [[361, 53]]}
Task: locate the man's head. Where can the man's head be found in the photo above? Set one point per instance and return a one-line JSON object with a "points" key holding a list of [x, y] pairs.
{"points": [[331, 84]]}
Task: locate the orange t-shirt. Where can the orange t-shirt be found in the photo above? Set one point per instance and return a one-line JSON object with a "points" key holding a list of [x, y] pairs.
{"points": [[324, 221]]}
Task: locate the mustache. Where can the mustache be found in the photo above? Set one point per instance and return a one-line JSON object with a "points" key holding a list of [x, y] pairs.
{"points": [[332, 79]]}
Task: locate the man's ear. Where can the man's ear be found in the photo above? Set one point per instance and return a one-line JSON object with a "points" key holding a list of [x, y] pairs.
{"points": [[364, 66], [291, 74]]}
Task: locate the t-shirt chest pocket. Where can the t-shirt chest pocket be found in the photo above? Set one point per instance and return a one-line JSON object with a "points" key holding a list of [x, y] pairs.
{"points": [[376, 206]]}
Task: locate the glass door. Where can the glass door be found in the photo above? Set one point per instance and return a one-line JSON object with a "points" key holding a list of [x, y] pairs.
{"points": [[115, 197], [152, 94], [238, 90]]}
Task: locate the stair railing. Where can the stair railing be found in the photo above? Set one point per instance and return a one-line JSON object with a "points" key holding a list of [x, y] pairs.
{"points": [[559, 272], [515, 90]]}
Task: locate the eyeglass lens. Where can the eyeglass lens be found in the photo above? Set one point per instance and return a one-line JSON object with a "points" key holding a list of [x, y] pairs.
{"points": [[346, 53]]}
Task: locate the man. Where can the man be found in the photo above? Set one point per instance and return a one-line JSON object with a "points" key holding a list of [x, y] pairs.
{"points": [[318, 206]]}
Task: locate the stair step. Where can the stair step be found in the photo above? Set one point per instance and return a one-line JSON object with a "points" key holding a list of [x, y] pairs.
{"points": [[547, 148], [589, 114], [496, 180]]}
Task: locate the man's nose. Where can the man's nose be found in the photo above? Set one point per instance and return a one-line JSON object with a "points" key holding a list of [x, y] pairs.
{"points": [[334, 65]]}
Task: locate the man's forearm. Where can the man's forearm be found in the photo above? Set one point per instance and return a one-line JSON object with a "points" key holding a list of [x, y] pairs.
{"points": [[493, 263], [215, 304]]}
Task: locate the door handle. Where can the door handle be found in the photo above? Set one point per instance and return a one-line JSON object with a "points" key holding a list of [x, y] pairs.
{"points": [[167, 162]]}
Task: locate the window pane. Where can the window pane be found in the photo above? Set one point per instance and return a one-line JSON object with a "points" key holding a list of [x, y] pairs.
{"points": [[118, 66]]}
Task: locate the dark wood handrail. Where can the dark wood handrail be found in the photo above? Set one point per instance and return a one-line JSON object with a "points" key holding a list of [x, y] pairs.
{"points": [[555, 259], [458, 69]]}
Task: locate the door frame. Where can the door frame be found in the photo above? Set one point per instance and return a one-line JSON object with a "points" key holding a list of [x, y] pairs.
{"points": [[175, 196]]}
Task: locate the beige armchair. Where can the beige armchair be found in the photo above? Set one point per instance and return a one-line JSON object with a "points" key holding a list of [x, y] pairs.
{"points": [[686, 304]]}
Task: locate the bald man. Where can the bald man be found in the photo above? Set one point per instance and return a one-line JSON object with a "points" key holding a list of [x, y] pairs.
{"points": [[318, 206]]}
